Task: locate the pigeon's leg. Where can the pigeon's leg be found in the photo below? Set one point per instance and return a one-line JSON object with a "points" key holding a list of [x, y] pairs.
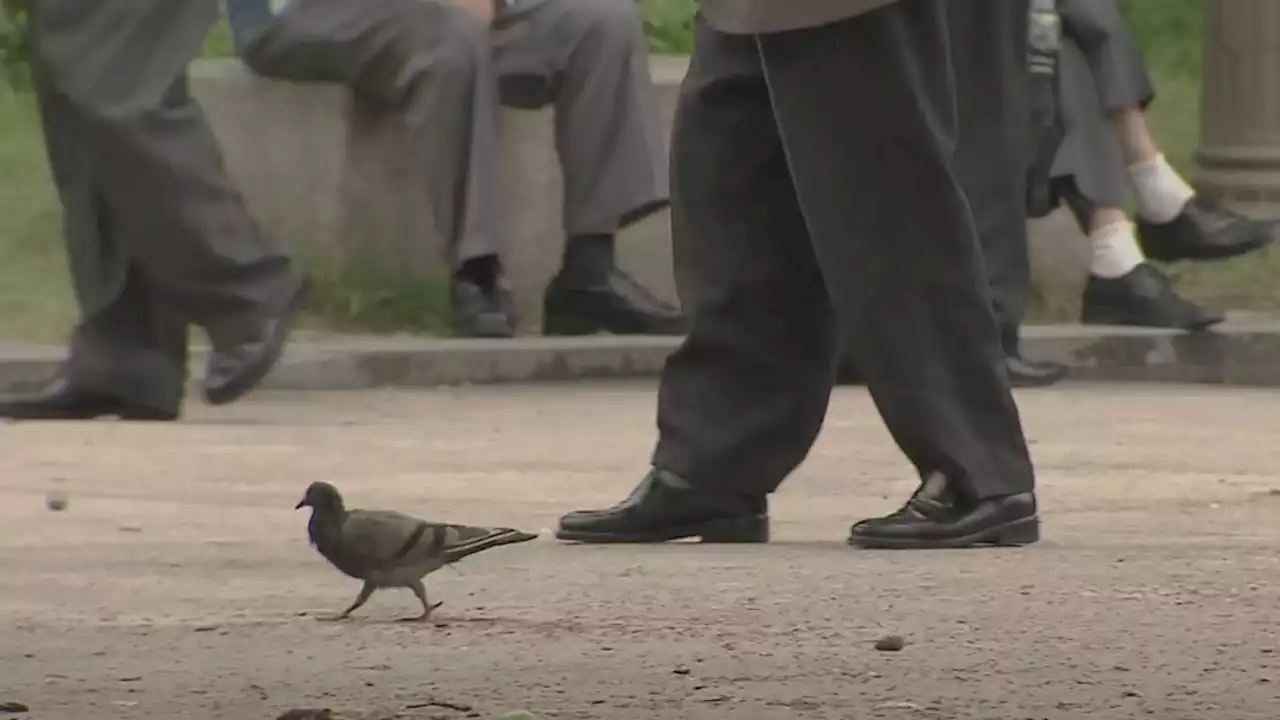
{"points": [[361, 599], [427, 608]]}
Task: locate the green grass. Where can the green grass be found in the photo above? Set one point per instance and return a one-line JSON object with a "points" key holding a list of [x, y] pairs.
{"points": [[36, 301], [35, 294], [218, 44]]}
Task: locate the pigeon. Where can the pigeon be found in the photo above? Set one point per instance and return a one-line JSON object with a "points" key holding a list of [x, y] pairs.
{"points": [[385, 548]]}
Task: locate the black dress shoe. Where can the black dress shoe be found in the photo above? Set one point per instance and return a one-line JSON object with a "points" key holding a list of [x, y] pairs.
{"points": [[664, 508], [1024, 373], [1143, 298], [482, 312], [1204, 230], [63, 400], [233, 371], [936, 518], [620, 306]]}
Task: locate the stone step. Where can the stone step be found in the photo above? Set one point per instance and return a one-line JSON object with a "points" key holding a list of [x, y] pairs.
{"points": [[338, 187], [1242, 352]]}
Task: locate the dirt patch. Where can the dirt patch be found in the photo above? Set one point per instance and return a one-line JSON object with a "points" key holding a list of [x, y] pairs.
{"points": [[177, 582]]}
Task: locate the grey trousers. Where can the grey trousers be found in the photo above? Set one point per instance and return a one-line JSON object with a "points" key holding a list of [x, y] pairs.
{"points": [[157, 237], [446, 75], [814, 201], [1101, 70]]}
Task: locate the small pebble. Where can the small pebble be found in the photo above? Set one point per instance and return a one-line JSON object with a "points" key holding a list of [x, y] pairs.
{"points": [[891, 643], [13, 708], [307, 714], [56, 500]]}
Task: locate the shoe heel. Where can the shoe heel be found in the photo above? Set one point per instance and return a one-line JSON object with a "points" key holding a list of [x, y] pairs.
{"points": [[750, 529], [1021, 532]]}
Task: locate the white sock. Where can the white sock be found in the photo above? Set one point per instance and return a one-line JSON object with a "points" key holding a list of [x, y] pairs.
{"points": [[1115, 251], [1161, 191]]}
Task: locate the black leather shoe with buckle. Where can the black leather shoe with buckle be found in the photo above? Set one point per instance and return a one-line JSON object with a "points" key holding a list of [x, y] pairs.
{"points": [[937, 518], [665, 507]]}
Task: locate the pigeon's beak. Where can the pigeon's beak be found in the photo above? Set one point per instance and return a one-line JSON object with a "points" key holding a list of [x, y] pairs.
{"points": [[301, 504]]}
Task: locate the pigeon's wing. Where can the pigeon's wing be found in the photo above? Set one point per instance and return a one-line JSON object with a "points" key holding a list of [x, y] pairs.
{"points": [[384, 539], [459, 541]]}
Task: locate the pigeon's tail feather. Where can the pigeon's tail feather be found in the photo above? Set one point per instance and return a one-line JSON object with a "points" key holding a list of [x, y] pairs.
{"points": [[464, 541]]}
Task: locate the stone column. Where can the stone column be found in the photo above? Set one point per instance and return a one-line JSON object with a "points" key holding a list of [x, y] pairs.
{"points": [[1239, 157]]}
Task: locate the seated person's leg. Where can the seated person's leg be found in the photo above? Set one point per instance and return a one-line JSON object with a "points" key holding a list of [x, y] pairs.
{"points": [[1090, 175], [589, 58], [426, 64], [1173, 222], [1124, 289]]}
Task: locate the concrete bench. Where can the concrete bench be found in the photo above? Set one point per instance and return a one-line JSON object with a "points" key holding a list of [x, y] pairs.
{"points": [[337, 186]]}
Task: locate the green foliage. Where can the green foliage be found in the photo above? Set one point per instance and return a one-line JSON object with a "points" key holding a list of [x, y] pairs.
{"points": [[356, 296], [218, 43], [669, 24], [1169, 32], [14, 50]]}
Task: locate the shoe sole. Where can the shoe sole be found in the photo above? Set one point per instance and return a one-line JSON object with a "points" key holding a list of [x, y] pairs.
{"points": [[1039, 382], [1017, 533], [1121, 321], [487, 326], [576, 327], [125, 416], [259, 370], [1261, 239], [753, 529], [566, 325]]}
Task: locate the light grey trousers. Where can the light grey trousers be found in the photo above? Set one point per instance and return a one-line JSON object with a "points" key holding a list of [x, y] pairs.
{"points": [[446, 75], [157, 237]]}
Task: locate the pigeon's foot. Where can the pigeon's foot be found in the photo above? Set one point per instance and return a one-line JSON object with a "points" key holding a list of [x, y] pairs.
{"points": [[333, 618], [424, 617]]}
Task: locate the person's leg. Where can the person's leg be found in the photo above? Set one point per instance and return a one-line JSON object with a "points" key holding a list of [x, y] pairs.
{"points": [[743, 398], [427, 64], [127, 358], [994, 150], [1124, 289], [1090, 176], [189, 234], [118, 71], [1173, 223], [895, 238], [590, 59], [989, 51]]}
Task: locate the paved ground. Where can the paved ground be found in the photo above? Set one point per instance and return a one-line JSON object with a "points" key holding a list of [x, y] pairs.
{"points": [[178, 583]]}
